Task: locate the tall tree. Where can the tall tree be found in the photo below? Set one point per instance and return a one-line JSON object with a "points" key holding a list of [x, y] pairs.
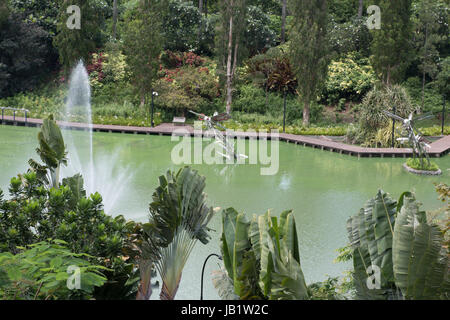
{"points": [[360, 8], [283, 20], [74, 44], [309, 49], [142, 44], [115, 14], [230, 35], [391, 44], [426, 36]]}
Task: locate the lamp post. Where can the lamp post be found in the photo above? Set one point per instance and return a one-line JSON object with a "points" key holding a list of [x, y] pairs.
{"points": [[443, 114], [393, 128], [284, 112], [154, 94], [203, 271]]}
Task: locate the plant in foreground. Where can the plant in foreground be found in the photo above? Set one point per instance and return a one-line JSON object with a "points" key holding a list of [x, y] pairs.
{"points": [[395, 238], [179, 217], [48, 270]]}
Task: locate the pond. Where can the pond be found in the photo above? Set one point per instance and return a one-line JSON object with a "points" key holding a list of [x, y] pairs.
{"points": [[322, 188]]}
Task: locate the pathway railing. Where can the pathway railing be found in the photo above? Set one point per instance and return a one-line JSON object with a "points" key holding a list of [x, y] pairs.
{"points": [[25, 111]]}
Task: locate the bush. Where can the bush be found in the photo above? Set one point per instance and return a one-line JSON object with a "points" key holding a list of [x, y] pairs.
{"points": [[349, 79], [415, 164], [41, 271], [378, 100], [187, 88], [34, 212]]}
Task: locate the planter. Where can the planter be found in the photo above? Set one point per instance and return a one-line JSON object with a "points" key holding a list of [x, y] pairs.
{"points": [[422, 172]]}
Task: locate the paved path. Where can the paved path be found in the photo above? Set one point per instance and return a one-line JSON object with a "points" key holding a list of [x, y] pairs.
{"points": [[437, 149]]}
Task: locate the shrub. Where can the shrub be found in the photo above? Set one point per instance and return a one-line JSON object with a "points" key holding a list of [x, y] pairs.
{"points": [[187, 88], [36, 212], [349, 79], [415, 164], [42, 271], [372, 118], [173, 60]]}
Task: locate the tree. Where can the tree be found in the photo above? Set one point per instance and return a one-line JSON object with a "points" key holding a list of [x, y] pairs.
{"points": [[360, 8], [179, 217], [283, 21], [142, 44], [115, 14], [391, 44], [230, 35], [75, 44], [24, 55], [309, 49], [426, 36]]}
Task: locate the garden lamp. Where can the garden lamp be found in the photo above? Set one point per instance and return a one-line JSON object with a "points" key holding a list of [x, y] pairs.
{"points": [[203, 271]]}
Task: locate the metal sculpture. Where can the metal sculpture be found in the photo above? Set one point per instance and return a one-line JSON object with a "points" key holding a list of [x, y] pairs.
{"points": [[413, 136], [213, 125]]}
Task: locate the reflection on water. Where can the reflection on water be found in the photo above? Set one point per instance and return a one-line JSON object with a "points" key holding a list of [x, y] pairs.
{"points": [[322, 188]]}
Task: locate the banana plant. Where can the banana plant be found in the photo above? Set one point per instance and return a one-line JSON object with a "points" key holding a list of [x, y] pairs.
{"points": [[370, 233], [421, 262], [261, 257], [392, 241], [52, 152], [281, 276], [179, 217]]}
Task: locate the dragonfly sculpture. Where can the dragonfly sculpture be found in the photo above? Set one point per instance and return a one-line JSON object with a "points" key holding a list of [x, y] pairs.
{"points": [[213, 125], [413, 135]]}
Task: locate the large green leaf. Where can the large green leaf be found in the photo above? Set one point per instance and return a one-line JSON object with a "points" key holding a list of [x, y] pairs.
{"points": [[421, 263], [370, 234], [281, 276], [235, 243]]}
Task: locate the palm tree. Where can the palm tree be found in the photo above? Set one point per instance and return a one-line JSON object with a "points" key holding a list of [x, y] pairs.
{"points": [[178, 218]]}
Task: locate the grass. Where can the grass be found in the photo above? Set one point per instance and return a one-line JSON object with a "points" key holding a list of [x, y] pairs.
{"points": [[415, 164]]}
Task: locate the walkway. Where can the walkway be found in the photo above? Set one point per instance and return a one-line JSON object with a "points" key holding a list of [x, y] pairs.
{"points": [[437, 148]]}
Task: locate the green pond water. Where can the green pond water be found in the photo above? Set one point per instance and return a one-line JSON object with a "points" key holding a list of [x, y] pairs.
{"points": [[322, 188]]}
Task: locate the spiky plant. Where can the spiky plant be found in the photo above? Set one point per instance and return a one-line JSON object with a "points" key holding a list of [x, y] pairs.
{"points": [[52, 152], [179, 217]]}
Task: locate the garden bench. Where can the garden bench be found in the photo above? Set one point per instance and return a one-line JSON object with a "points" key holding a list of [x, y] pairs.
{"points": [[179, 121]]}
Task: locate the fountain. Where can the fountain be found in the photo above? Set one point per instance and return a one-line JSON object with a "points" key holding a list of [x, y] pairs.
{"points": [[98, 170]]}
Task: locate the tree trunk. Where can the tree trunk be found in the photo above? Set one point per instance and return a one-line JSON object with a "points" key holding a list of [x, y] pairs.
{"points": [[360, 9], [142, 105], [306, 112], [283, 21], [200, 6], [229, 66], [114, 27], [423, 66], [145, 284]]}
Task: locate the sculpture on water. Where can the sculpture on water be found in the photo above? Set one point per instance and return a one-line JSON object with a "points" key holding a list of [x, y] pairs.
{"points": [[414, 136], [213, 125]]}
